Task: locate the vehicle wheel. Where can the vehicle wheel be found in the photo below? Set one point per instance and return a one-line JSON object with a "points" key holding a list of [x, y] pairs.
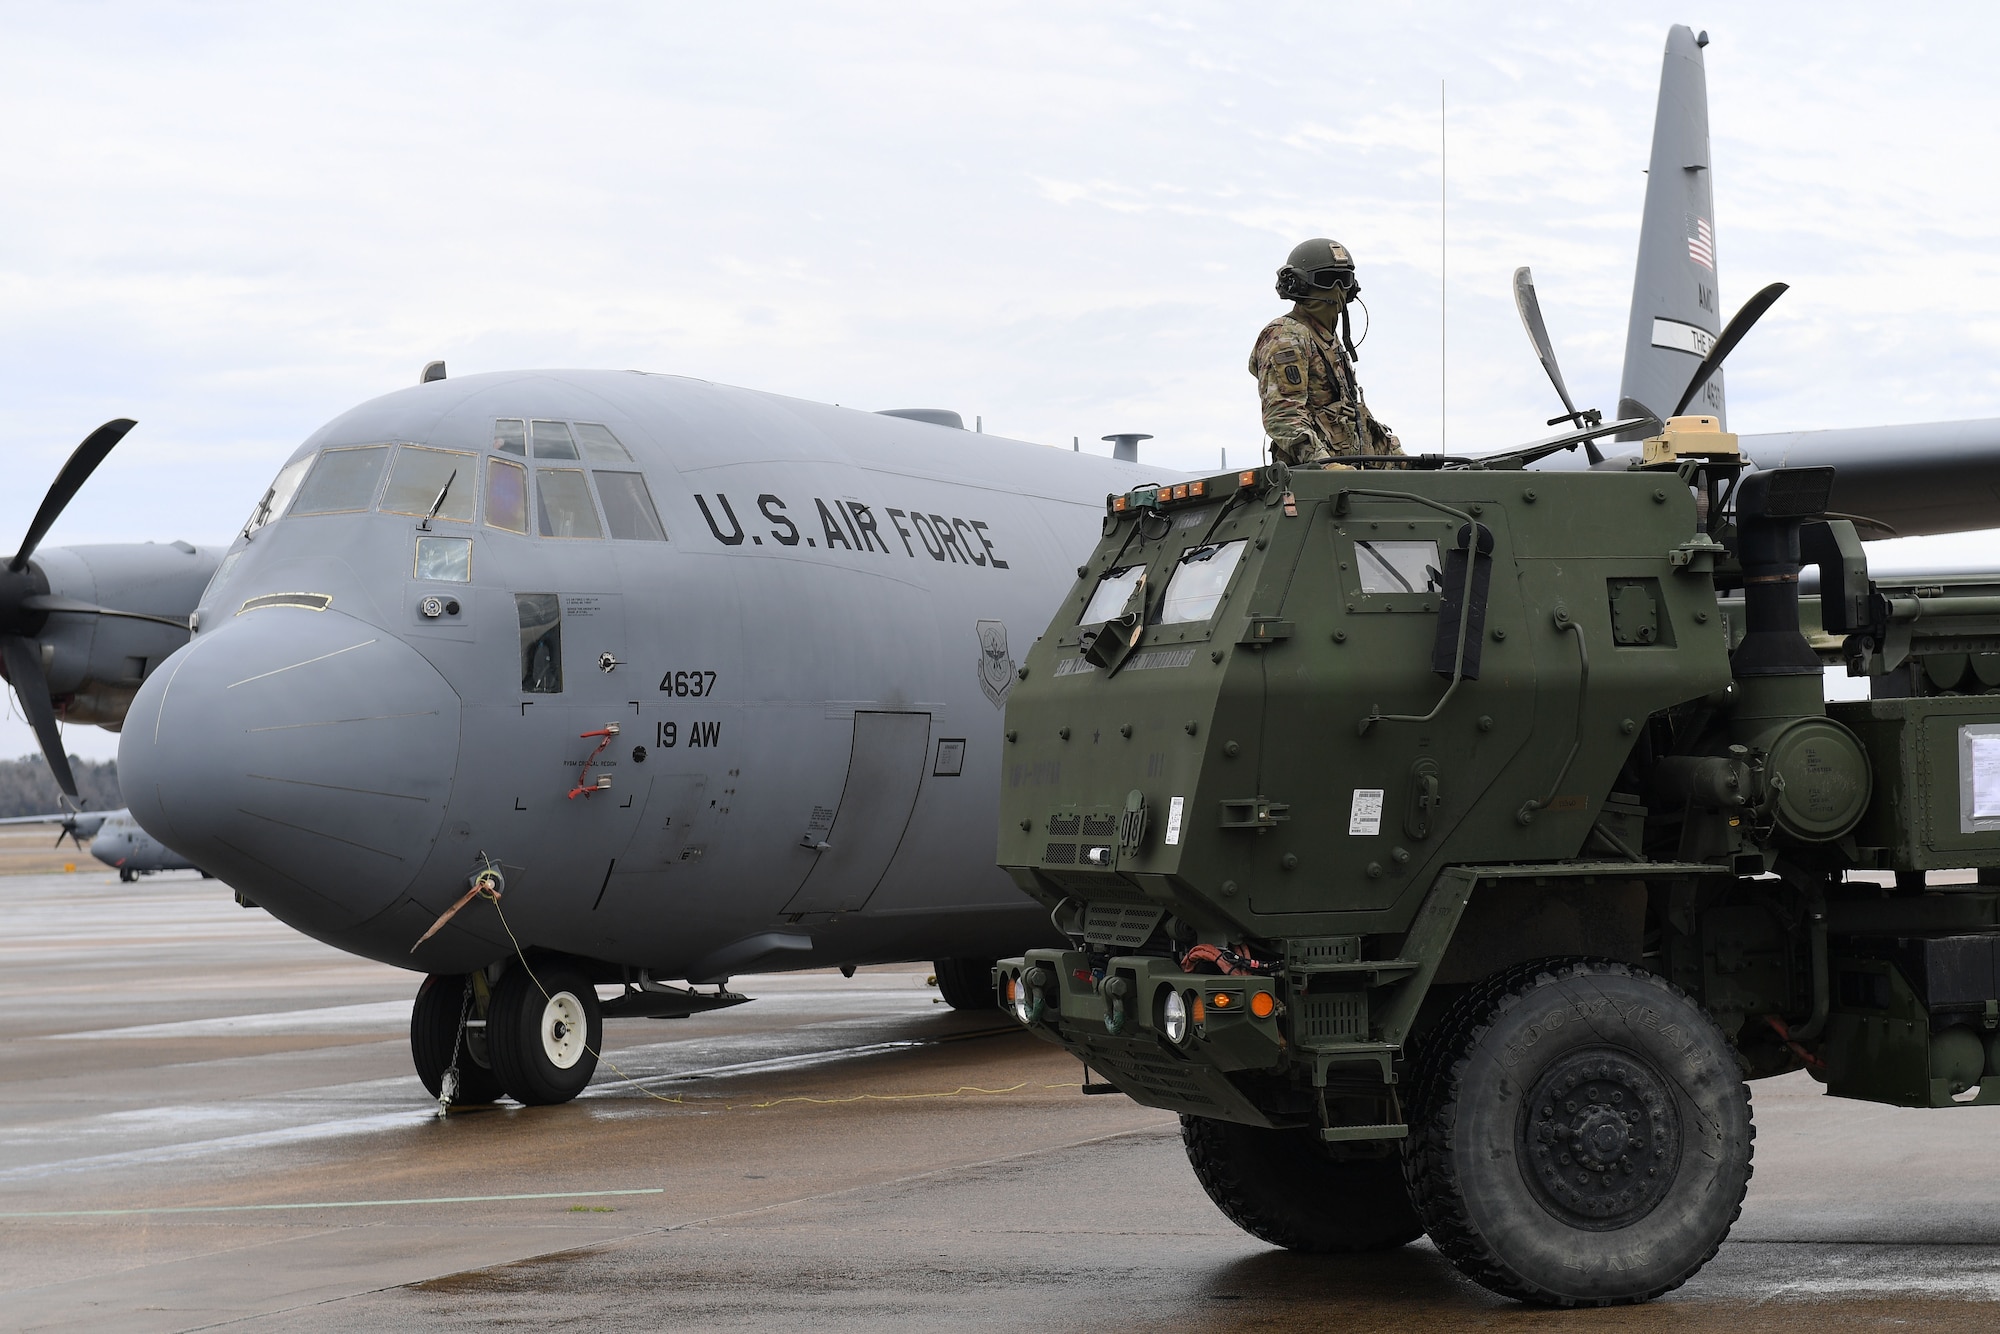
{"points": [[1579, 1135], [966, 984], [127, 874], [544, 1043], [1283, 1187], [433, 1031]]}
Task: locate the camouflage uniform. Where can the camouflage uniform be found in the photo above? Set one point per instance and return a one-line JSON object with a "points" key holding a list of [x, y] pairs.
{"points": [[1313, 409]]}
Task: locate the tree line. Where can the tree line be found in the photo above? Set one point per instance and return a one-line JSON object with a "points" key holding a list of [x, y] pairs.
{"points": [[27, 788]]}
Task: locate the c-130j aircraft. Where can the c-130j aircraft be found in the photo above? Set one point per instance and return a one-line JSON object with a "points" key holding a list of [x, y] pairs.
{"points": [[699, 680]]}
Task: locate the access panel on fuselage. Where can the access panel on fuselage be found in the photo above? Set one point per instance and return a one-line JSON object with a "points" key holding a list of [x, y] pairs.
{"points": [[884, 772]]}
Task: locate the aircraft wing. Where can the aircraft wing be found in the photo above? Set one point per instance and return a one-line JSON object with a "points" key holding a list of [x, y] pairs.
{"points": [[1928, 477], [57, 818]]}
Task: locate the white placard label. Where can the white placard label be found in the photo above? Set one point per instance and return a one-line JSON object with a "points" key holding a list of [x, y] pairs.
{"points": [[1174, 821], [1366, 815], [1985, 776]]}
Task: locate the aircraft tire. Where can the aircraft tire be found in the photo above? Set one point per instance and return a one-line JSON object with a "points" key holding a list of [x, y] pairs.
{"points": [[543, 1031], [434, 1028], [1541, 1097], [127, 874], [966, 984], [1281, 1186]]}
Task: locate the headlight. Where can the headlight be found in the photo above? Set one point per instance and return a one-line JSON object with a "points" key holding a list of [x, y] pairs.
{"points": [[1174, 1018], [1019, 990]]}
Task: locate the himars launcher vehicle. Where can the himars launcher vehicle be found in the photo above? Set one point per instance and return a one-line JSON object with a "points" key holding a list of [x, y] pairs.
{"points": [[1488, 828]]}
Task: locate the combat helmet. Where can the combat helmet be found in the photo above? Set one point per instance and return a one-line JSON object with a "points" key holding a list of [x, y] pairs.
{"points": [[1318, 270]]}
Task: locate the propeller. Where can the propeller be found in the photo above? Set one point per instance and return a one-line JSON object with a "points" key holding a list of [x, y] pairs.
{"points": [[1530, 307], [25, 603], [1732, 333]]}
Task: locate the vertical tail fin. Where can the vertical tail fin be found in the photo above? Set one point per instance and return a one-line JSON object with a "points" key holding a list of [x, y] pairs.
{"points": [[1676, 313]]}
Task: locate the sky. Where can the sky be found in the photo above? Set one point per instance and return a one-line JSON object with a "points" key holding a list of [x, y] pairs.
{"points": [[233, 222]]}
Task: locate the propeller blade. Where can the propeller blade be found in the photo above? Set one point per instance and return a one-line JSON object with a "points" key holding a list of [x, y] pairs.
{"points": [[1530, 307], [1732, 334], [68, 482], [24, 669], [49, 602]]}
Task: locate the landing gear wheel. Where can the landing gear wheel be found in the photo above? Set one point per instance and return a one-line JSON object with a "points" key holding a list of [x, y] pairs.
{"points": [[544, 1039], [1580, 1135], [966, 984], [433, 1031], [127, 874], [1283, 1187]]}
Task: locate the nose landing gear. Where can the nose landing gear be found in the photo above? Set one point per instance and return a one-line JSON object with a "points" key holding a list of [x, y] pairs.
{"points": [[545, 1027], [445, 1023]]}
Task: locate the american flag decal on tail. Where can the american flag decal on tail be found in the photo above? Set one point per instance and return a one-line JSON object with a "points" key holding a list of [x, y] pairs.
{"points": [[1701, 242]]}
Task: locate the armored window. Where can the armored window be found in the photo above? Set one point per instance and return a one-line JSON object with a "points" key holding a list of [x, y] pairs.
{"points": [[1113, 591], [628, 507], [342, 480], [510, 436], [563, 504], [1199, 582], [541, 642], [507, 495], [599, 445], [552, 440], [421, 475], [445, 559], [1398, 567], [278, 495]]}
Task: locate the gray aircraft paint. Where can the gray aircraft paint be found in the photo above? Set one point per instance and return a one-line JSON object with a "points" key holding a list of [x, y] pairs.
{"points": [[1675, 315], [831, 576]]}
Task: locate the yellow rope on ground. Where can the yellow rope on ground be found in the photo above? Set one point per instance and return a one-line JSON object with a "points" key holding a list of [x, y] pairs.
{"points": [[963, 1091]]}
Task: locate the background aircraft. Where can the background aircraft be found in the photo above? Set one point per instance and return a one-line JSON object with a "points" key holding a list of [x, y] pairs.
{"points": [[115, 839], [401, 658]]}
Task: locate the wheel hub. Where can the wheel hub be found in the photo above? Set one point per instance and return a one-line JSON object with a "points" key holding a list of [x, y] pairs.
{"points": [[1600, 1140], [563, 1030]]}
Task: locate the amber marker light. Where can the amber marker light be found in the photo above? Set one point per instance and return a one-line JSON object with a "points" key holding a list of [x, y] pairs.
{"points": [[1246, 479], [1263, 1004], [1200, 1010], [1180, 492], [1121, 504], [1224, 1000], [1197, 488]]}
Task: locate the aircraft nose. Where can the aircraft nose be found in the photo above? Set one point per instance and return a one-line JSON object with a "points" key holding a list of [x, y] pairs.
{"points": [[303, 756]]}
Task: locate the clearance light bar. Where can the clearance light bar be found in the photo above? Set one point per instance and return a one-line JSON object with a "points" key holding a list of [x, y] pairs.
{"points": [[1159, 497]]}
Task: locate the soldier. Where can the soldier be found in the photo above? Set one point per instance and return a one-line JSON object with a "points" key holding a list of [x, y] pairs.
{"points": [[1313, 409]]}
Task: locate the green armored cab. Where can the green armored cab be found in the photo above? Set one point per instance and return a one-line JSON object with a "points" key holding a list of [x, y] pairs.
{"points": [[1449, 844]]}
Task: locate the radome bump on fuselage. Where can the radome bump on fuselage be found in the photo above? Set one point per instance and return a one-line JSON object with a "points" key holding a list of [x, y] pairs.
{"points": [[806, 675]]}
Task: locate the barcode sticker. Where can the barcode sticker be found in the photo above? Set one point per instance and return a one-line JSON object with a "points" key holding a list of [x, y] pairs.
{"points": [[1366, 815], [1174, 821]]}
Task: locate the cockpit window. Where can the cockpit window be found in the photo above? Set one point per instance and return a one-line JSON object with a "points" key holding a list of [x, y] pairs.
{"points": [[552, 440], [628, 506], [599, 445], [422, 474], [1199, 582], [541, 642], [507, 495], [1398, 567], [1113, 591], [510, 436], [342, 480], [563, 503], [279, 495]]}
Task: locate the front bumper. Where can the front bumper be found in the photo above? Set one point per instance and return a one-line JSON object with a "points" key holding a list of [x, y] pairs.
{"points": [[1113, 1020]]}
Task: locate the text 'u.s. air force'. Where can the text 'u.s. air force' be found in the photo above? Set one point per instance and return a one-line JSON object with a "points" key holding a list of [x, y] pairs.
{"points": [[849, 525]]}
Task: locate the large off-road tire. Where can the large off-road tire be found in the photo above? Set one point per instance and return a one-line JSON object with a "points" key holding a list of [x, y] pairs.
{"points": [[544, 1028], [966, 984], [1580, 1134], [433, 1031], [1281, 1186]]}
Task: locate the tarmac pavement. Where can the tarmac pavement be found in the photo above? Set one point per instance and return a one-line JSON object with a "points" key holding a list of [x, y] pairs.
{"points": [[208, 1121]]}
